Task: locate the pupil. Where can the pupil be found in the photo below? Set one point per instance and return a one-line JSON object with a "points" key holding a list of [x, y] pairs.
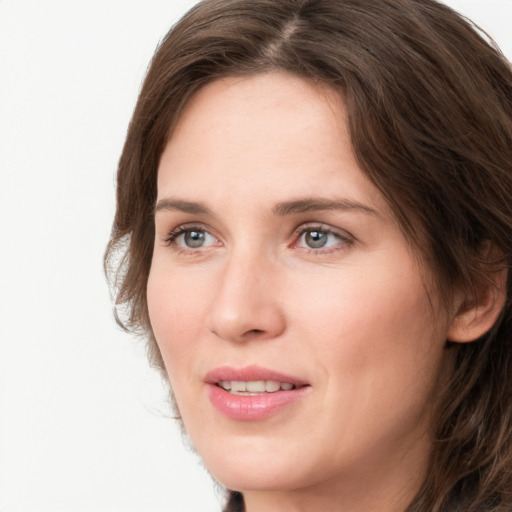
{"points": [[316, 239], [194, 238]]}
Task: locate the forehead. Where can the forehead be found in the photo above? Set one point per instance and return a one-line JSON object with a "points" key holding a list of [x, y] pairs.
{"points": [[274, 130], [241, 109]]}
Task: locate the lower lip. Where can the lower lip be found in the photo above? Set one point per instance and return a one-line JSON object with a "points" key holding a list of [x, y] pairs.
{"points": [[255, 407]]}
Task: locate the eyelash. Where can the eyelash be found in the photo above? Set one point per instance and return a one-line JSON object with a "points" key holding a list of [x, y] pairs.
{"points": [[173, 235], [344, 239]]}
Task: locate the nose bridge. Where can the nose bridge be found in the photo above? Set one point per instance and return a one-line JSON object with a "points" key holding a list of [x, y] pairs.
{"points": [[246, 302]]}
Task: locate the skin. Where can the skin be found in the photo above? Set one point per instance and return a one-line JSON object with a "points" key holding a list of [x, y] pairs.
{"points": [[354, 318]]}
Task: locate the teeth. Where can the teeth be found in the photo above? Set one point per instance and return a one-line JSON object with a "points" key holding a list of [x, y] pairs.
{"points": [[271, 386], [226, 384], [251, 387], [256, 386], [238, 385]]}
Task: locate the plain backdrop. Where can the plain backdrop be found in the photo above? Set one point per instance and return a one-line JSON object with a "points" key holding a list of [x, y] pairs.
{"points": [[83, 421]]}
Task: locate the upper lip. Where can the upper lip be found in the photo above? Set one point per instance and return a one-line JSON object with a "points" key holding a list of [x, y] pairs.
{"points": [[250, 373]]}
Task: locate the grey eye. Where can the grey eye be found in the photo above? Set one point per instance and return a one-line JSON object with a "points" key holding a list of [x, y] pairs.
{"points": [[316, 239], [319, 238], [194, 238], [191, 238]]}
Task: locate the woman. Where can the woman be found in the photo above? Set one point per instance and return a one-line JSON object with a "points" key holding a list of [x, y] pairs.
{"points": [[314, 207]]}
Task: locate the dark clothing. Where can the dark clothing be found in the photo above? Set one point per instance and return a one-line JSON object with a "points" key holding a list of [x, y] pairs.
{"points": [[235, 502]]}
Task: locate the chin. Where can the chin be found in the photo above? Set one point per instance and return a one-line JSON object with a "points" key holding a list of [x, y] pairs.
{"points": [[255, 480], [254, 472]]}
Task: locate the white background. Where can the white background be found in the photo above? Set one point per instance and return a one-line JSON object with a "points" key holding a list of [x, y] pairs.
{"points": [[83, 423]]}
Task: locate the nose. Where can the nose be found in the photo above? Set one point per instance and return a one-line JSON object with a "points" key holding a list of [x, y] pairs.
{"points": [[246, 305]]}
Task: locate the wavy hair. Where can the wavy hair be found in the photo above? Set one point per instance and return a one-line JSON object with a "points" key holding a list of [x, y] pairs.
{"points": [[429, 103]]}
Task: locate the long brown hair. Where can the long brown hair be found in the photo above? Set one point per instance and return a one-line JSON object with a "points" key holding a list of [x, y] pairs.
{"points": [[429, 104]]}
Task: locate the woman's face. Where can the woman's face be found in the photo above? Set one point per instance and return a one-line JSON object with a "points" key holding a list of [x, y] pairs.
{"points": [[277, 264]]}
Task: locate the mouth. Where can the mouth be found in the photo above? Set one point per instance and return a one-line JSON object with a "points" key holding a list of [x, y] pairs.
{"points": [[254, 387], [253, 393], [252, 379]]}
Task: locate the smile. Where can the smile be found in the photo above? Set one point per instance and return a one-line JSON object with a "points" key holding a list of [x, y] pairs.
{"points": [[253, 393], [254, 387]]}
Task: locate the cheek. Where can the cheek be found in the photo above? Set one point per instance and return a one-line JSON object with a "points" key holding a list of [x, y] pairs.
{"points": [[372, 330], [375, 301], [372, 339], [177, 310]]}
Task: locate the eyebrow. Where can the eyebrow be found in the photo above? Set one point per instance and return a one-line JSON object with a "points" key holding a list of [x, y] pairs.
{"points": [[194, 208], [281, 209], [319, 204]]}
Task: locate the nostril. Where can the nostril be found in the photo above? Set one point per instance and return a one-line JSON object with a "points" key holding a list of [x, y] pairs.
{"points": [[255, 331], [249, 319]]}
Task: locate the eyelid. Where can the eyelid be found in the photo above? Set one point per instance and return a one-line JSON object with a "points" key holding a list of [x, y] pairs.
{"points": [[344, 237], [174, 233]]}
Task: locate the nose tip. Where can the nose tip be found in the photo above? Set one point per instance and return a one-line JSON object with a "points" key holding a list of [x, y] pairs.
{"points": [[245, 307], [246, 322]]}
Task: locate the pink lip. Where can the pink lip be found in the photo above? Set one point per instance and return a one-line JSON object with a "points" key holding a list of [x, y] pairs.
{"points": [[250, 373], [256, 407]]}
